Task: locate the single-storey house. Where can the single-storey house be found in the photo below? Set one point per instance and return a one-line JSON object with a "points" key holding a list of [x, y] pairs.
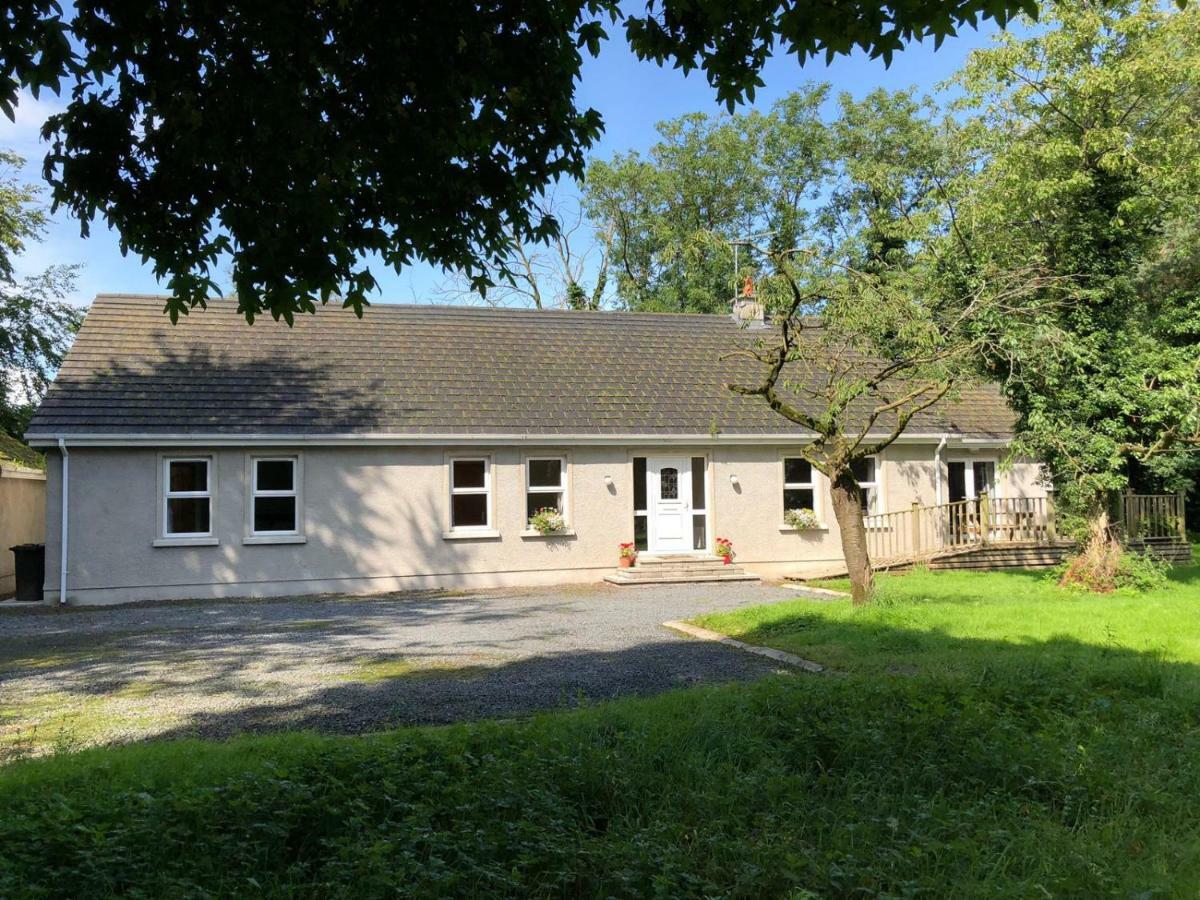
{"points": [[410, 448]]}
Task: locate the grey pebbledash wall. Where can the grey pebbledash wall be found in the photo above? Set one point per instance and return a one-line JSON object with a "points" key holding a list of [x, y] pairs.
{"points": [[375, 519]]}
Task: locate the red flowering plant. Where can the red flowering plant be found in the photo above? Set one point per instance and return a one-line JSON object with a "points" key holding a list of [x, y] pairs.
{"points": [[628, 550], [725, 549]]}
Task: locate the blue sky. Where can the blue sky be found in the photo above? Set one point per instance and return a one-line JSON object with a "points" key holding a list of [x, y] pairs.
{"points": [[632, 97]]}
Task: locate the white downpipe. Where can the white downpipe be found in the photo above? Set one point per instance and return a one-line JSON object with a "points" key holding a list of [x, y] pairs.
{"points": [[62, 554], [937, 470]]}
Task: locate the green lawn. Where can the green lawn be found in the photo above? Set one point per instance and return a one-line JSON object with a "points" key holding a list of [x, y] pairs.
{"points": [[962, 624], [990, 737]]}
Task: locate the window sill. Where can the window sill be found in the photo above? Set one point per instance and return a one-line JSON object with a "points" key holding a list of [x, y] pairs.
{"points": [[253, 539], [566, 532], [478, 534], [788, 529], [186, 542]]}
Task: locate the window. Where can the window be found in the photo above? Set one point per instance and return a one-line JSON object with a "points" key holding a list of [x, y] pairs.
{"points": [[865, 473], [799, 490], [275, 493], [187, 497], [641, 521], [699, 519], [470, 494], [545, 485]]}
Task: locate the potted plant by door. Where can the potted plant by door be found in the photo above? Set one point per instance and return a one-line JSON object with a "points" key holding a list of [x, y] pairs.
{"points": [[725, 550], [628, 555]]}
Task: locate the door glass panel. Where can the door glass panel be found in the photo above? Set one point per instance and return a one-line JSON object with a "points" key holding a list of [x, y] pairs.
{"points": [[668, 484], [639, 482], [699, 535], [957, 473], [698, 484], [641, 534], [984, 476]]}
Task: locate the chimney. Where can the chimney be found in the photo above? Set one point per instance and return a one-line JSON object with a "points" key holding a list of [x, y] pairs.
{"points": [[747, 310]]}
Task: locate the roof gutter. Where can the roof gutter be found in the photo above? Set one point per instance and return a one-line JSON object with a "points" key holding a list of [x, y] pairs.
{"points": [[63, 535], [454, 439]]}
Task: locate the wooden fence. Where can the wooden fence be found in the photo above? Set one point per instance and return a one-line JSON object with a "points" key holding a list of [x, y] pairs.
{"points": [[1152, 516]]}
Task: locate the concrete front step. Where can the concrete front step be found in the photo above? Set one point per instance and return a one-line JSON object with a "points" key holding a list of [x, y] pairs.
{"points": [[623, 579]]}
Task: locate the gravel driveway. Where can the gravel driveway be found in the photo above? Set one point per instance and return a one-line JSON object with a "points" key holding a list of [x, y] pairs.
{"points": [[214, 668]]}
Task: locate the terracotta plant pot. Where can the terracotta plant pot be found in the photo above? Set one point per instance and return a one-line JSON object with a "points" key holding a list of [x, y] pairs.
{"points": [[728, 560], [626, 562]]}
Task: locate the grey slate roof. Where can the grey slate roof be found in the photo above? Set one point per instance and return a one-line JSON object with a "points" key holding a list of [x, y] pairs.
{"points": [[413, 370]]}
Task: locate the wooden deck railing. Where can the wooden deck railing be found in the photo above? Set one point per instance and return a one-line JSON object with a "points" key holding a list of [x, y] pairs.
{"points": [[1150, 516], [924, 532]]}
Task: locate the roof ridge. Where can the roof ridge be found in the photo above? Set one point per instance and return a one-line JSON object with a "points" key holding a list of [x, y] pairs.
{"points": [[441, 308]]}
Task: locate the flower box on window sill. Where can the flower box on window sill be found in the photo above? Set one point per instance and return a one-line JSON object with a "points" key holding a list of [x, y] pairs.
{"points": [[787, 529], [531, 533]]}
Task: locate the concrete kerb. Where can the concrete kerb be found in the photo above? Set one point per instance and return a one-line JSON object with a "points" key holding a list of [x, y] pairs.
{"points": [[704, 634]]}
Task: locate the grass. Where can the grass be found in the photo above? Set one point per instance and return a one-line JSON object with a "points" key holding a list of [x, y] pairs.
{"points": [[991, 737], [963, 623]]}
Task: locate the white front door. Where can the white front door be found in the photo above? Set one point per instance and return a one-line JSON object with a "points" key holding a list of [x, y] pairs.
{"points": [[669, 489]]}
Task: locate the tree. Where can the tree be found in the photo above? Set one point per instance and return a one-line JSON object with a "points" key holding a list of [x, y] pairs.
{"points": [[1092, 171], [875, 321], [294, 139], [709, 183], [36, 322], [568, 272]]}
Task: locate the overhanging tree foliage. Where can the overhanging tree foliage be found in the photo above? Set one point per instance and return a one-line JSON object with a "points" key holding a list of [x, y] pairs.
{"points": [[36, 322], [303, 139], [1093, 168]]}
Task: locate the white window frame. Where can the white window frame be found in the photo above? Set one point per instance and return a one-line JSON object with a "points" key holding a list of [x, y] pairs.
{"points": [[167, 538], [487, 529], [562, 487], [810, 485], [294, 536], [874, 506]]}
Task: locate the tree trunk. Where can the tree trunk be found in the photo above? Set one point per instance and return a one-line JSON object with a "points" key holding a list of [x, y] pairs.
{"points": [[847, 509]]}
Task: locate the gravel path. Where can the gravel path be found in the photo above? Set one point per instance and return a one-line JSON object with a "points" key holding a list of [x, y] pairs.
{"points": [[347, 664]]}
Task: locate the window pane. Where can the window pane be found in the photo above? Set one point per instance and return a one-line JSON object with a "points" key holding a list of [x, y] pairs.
{"points": [[863, 469], [187, 515], [543, 500], [468, 473], [545, 473], [274, 513], [468, 510], [699, 536], [668, 484], [867, 498], [639, 482], [275, 474], [984, 476], [698, 483], [189, 475], [641, 533], [797, 471], [798, 498]]}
